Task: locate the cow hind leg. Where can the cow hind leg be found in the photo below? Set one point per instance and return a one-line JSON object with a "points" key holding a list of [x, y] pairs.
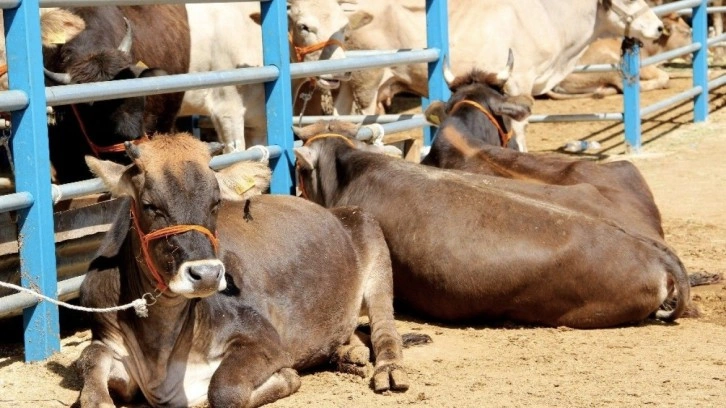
{"points": [[353, 357]]}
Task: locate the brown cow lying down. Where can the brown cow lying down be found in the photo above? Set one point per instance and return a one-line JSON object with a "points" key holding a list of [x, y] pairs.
{"points": [[676, 34], [278, 286], [468, 245], [471, 128]]}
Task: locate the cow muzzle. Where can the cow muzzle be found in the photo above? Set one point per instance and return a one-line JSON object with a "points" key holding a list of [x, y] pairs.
{"points": [[200, 278], [332, 81]]}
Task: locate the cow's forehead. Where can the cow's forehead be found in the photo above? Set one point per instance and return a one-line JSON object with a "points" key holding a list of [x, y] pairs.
{"points": [[173, 155]]}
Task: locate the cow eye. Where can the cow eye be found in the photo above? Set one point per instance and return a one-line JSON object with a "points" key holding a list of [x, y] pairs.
{"points": [[215, 206], [152, 209]]}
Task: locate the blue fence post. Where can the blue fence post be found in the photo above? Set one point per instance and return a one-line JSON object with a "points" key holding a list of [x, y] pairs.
{"points": [[700, 61], [32, 174], [630, 67], [278, 94], [437, 36]]}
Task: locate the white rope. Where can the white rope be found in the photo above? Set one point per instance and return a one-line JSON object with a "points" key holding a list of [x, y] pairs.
{"points": [[140, 305], [265, 152]]}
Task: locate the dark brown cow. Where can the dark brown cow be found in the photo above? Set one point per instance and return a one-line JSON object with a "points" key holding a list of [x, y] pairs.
{"points": [[471, 129], [468, 245], [117, 43], [247, 290]]}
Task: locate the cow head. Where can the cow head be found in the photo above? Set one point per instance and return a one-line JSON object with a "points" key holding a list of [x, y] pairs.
{"points": [[57, 26], [81, 61], [676, 34], [629, 18], [321, 143], [487, 107], [317, 32], [175, 194]]}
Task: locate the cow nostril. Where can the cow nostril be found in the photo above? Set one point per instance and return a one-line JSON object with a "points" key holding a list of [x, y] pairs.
{"points": [[660, 28], [194, 275]]}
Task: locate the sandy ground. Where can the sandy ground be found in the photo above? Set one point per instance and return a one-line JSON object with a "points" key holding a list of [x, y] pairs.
{"points": [[680, 365]]}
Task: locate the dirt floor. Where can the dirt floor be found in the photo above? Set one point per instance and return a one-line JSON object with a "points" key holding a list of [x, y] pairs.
{"points": [[679, 365]]}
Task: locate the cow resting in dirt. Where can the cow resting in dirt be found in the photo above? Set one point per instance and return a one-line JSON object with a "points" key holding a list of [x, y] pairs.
{"points": [[547, 37], [247, 288], [467, 246], [676, 34], [471, 130]]}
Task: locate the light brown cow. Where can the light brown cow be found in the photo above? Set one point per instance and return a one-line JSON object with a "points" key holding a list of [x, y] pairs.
{"points": [[676, 34], [245, 289], [469, 246]]}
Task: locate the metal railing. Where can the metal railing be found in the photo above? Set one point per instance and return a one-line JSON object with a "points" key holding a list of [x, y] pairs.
{"points": [[28, 97]]}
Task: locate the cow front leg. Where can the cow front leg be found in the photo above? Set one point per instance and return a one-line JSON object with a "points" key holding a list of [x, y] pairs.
{"points": [[97, 365], [251, 374], [227, 110]]}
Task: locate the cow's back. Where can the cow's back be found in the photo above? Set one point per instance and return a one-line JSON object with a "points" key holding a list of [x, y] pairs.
{"points": [[285, 251]]}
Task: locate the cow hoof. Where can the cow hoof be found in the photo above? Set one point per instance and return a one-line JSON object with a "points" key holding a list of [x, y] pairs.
{"points": [[390, 378]]}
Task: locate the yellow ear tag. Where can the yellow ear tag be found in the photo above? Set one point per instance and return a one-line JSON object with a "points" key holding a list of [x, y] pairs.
{"points": [[241, 186], [58, 37], [141, 65], [433, 119]]}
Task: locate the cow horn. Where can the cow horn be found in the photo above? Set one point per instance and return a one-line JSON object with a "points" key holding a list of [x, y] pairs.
{"points": [[61, 78], [132, 150], [503, 75], [125, 45], [448, 74]]}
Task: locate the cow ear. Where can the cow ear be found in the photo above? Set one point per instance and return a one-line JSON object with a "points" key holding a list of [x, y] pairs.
{"points": [[115, 236], [359, 19], [436, 113], [307, 158], [243, 180], [516, 107], [111, 174], [257, 18]]}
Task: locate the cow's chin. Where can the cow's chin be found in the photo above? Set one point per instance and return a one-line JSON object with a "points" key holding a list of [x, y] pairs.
{"points": [[191, 290]]}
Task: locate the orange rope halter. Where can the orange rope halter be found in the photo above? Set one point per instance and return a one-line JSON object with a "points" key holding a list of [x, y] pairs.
{"points": [[97, 150], [301, 52], [165, 232], [503, 136], [307, 142]]}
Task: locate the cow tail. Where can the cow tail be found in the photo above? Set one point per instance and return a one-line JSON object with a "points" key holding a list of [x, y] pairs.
{"points": [[672, 309]]}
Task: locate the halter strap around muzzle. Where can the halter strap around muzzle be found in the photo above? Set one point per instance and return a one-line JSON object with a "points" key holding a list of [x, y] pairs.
{"points": [[503, 136], [146, 239], [96, 149], [301, 52], [300, 183], [628, 18]]}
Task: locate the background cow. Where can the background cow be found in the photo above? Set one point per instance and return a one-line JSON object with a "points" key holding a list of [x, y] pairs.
{"points": [[470, 132], [469, 246], [676, 34], [117, 43], [277, 286], [547, 38], [227, 36]]}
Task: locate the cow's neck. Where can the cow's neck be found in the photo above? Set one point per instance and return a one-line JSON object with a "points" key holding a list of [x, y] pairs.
{"points": [[577, 23], [167, 328]]}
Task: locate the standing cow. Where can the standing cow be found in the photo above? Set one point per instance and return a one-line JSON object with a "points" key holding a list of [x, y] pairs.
{"points": [[471, 130], [246, 288], [547, 37], [469, 246]]}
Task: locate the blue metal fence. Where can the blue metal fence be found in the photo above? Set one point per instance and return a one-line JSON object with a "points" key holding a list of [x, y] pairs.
{"points": [[28, 97]]}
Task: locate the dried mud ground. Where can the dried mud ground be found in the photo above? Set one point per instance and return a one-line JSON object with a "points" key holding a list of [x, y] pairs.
{"points": [[679, 365]]}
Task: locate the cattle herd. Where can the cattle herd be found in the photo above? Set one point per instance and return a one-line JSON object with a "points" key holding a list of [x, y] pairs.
{"points": [[245, 289]]}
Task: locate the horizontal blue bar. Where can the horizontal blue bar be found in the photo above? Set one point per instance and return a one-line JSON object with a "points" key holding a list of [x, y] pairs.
{"points": [[383, 59], [717, 82], [222, 161], [583, 117], [307, 120], [15, 201], [67, 94], [87, 3], [680, 97], [675, 6], [664, 56], [13, 100]]}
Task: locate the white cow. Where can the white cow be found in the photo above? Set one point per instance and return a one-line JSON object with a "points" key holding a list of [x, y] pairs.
{"points": [[227, 36], [547, 38]]}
